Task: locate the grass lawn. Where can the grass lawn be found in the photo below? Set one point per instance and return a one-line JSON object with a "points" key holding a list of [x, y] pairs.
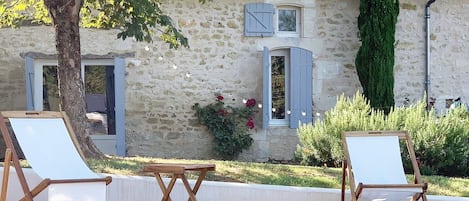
{"points": [[265, 173]]}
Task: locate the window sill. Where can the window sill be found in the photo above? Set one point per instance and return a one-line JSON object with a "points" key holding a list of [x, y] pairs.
{"points": [[287, 35]]}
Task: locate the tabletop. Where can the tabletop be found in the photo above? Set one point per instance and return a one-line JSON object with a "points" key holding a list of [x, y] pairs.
{"points": [[177, 168]]}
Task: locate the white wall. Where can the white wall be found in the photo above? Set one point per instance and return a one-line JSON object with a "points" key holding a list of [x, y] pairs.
{"points": [[138, 188]]}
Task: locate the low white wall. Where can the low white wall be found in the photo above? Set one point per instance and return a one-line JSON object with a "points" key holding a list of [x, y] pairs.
{"points": [[132, 188], [14, 190], [138, 188]]}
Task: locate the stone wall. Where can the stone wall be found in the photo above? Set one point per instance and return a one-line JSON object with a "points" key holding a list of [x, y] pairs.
{"points": [[448, 51], [163, 84]]}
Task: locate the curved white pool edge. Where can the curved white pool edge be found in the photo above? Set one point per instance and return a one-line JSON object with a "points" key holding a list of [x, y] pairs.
{"points": [[148, 189], [143, 188]]}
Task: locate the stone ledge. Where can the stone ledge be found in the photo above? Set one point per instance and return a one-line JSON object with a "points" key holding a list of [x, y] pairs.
{"points": [[146, 189], [142, 188], [110, 55]]}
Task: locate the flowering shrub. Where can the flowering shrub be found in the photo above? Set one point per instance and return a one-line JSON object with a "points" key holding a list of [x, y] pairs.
{"points": [[229, 125]]}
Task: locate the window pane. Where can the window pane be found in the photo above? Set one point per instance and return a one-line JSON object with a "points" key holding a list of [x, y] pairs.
{"points": [[278, 87], [50, 91], [287, 20], [96, 100], [95, 82]]}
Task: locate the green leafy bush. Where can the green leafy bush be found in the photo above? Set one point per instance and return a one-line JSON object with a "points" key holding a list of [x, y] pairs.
{"points": [[229, 125], [321, 142], [441, 143]]}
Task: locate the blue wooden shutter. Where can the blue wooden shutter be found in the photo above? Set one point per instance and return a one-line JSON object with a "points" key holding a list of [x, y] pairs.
{"points": [[258, 19], [119, 87], [300, 86], [29, 65], [266, 89]]}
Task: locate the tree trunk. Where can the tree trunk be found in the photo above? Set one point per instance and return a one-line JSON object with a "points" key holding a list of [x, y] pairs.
{"points": [[66, 18]]}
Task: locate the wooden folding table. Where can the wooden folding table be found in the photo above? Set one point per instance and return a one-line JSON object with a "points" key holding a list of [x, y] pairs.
{"points": [[178, 171]]}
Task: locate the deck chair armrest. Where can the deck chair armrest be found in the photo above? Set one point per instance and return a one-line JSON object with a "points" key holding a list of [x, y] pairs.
{"points": [[38, 189], [107, 179], [423, 185], [46, 182]]}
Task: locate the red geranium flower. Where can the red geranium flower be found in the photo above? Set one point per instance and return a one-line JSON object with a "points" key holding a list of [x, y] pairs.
{"points": [[250, 124], [251, 102], [219, 98]]}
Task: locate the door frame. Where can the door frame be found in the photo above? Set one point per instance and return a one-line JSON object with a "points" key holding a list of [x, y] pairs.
{"points": [[34, 89]]}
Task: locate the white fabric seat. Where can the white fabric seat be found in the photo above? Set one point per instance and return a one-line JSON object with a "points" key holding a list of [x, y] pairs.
{"points": [[375, 169], [50, 150]]}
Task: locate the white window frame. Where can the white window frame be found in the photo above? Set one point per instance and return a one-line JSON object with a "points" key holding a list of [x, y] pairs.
{"points": [[286, 53], [299, 20], [34, 71], [39, 70], [299, 105]]}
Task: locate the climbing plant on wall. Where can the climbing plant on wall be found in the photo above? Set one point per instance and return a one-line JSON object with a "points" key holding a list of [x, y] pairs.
{"points": [[375, 58]]}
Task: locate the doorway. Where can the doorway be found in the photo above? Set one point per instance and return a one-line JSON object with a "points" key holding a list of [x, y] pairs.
{"points": [[104, 81], [99, 96]]}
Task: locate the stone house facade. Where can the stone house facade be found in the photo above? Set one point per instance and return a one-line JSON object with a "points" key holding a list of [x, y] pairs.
{"points": [[158, 85]]}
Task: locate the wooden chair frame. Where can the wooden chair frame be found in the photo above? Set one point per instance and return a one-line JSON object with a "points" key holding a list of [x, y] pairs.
{"points": [[357, 189], [29, 193]]}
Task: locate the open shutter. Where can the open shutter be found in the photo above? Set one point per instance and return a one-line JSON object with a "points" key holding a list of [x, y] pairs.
{"points": [[119, 88], [266, 88], [258, 19], [300, 86], [29, 65]]}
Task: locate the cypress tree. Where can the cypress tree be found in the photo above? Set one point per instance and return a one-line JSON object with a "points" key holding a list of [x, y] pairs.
{"points": [[375, 58]]}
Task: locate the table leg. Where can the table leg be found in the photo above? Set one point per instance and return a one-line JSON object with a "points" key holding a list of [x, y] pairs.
{"points": [[188, 188], [199, 181], [192, 191], [166, 190], [196, 186]]}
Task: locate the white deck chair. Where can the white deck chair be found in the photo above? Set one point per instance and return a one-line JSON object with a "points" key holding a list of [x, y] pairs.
{"points": [[373, 163], [50, 147]]}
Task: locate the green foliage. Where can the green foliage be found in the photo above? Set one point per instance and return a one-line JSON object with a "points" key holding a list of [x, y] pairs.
{"points": [[322, 143], [229, 125], [95, 82], [441, 143], [135, 18], [14, 13], [375, 58]]}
